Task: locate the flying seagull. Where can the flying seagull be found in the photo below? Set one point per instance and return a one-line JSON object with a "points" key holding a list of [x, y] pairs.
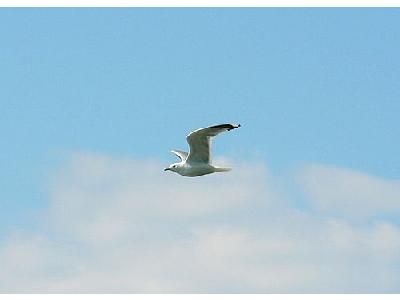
{"points": [[198, 161]]}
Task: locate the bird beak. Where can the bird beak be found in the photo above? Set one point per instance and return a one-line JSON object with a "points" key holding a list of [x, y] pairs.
{"points": [[166, 169]]}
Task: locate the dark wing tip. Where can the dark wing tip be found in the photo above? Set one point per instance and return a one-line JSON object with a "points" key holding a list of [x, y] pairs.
{"points": [[226, 126]]}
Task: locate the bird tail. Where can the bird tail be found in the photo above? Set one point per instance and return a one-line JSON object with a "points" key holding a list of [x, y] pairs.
{"points": [[220, 169]]}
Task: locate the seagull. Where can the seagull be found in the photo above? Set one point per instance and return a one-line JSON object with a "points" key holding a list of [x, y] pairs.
{"points": [[198, 161]]}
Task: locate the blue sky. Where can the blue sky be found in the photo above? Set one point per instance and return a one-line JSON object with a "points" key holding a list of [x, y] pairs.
{"points": [[308, 85]]}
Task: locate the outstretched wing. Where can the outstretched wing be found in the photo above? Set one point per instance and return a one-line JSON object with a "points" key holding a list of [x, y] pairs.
{"points": [[200, 139], [181, 154]]}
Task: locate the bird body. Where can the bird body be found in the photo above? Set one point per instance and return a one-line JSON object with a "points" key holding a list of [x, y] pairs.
{"points": [[198, 161], [192, 170]]}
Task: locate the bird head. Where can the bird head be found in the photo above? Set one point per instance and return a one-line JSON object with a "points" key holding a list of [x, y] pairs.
{"points": [[173, 168]]}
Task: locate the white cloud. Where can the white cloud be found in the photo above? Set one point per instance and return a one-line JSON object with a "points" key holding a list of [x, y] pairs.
{"points": [[123, 225], [351, 193], [110, 198]]}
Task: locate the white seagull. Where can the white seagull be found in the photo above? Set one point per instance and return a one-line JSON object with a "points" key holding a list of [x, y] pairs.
{"points": [[198, 161]]}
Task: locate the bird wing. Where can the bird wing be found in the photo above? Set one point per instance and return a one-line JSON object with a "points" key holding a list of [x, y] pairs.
{"points": [[181, 154], [200, 140]]}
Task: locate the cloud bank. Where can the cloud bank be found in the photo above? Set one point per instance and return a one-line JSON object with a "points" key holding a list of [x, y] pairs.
{"points": [[123, 225], [351, 193]]}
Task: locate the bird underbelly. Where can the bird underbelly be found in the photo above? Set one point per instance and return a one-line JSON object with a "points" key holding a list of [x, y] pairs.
{"points": [[198, 170]]}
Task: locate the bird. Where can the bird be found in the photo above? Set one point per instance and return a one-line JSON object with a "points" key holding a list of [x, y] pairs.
{"points": [[198, 161]]}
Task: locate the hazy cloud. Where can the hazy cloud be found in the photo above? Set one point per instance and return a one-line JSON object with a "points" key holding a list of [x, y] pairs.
{"points": [[350, 193], [123, 225]]}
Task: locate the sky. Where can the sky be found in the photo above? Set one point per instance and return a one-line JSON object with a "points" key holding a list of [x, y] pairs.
{"points": [[93, 100]]}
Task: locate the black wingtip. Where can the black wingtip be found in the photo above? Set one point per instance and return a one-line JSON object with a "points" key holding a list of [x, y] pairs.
{"points": [[227, 126], [233, 126]]}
